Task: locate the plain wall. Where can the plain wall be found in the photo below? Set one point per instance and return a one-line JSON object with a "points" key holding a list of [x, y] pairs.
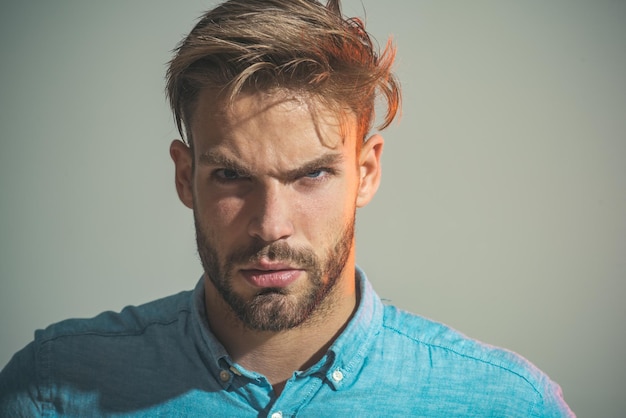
{"points": [[503, 205]]}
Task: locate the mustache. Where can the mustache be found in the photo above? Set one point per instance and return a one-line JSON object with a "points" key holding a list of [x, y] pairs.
{"points": [[276, 251]]}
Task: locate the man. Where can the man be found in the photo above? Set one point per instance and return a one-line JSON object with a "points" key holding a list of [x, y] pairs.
{"points": [[275, 99]]}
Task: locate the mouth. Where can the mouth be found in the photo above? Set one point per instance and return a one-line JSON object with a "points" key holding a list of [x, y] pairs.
{"points": [[270, 274]]}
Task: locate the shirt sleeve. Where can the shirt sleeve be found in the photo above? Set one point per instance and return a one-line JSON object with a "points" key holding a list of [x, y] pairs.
{"points": [[19, 385]]}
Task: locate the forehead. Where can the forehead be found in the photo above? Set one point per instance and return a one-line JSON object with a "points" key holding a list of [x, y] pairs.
{"points": [[280, 113]]}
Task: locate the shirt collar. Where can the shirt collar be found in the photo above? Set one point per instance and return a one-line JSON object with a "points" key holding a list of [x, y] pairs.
{"points": [[350, 349], [342, 363], [214, 354]]}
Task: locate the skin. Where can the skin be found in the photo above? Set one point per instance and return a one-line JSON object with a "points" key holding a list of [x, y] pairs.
{"points": [[274, 181]]}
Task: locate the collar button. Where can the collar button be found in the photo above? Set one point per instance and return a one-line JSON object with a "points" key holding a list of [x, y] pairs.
{"points": [[337, 376], [224, 376]]}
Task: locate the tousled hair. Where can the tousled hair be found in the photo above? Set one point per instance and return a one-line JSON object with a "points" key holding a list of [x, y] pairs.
{"points": [[300, 45]]}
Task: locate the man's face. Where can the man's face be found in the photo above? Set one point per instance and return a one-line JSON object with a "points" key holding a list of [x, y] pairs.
{"points": [[274, 189]]}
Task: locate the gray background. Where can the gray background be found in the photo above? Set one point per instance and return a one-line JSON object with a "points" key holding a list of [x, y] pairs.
{"points": [[503, 205]]}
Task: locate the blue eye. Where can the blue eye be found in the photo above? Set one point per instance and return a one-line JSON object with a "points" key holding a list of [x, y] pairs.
{"points": [[316, 174]]}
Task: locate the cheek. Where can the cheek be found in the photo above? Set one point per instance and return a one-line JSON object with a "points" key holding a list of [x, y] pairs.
{"points": [[227, 211], [219, 216], [324, 215]]}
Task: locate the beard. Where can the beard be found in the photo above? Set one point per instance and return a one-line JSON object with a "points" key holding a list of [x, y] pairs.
{"points": [[278, 309]]}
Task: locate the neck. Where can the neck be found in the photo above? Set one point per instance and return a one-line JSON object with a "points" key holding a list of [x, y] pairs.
{"points": [[278, 354]]}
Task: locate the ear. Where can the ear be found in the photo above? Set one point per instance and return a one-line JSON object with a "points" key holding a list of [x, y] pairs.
{"points": [[181, 154], [369, 169]]}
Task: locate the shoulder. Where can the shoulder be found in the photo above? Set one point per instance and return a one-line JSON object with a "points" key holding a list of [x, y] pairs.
{"points": [[113, 341], [132, 320], [452, 359], [71, 353], [436, 336]]}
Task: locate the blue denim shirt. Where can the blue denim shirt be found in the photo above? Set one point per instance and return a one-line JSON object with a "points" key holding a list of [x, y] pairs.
{"points": [[161, 359]]}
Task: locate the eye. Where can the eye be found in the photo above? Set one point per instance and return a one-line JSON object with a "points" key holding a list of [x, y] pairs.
{"points": [[316, 173], [226, 174]]}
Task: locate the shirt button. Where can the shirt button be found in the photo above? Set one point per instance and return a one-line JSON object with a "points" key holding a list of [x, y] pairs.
{"points": [[224, 376], [337, 376], [277, 415]]}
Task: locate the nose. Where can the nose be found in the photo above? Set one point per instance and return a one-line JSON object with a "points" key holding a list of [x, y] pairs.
{"points": [[271, 213]]}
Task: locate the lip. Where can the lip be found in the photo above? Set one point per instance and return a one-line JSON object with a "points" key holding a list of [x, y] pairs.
{"points": [[265, 274]]}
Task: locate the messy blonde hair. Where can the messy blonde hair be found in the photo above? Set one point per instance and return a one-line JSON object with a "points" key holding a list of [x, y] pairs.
{"points": [[301, 45]]}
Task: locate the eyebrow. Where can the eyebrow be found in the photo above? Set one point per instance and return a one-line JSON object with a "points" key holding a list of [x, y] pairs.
{"points": [[326, 160], [217, 159]]}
